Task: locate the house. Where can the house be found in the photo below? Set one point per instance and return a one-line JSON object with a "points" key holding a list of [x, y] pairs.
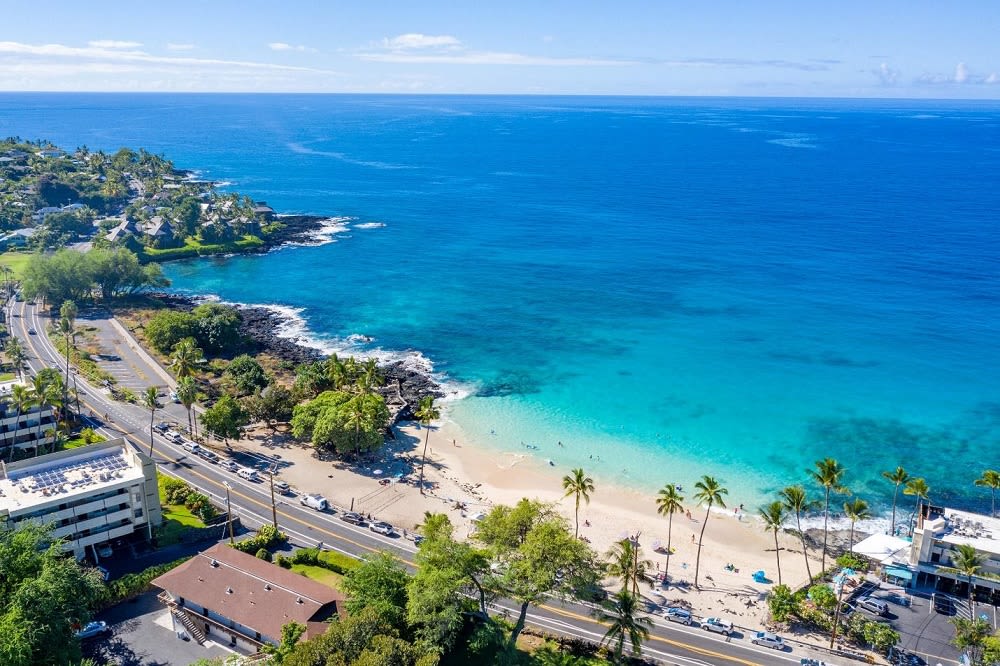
{"points": [[50, 152], [42, 213], [92, 495], [125, 229], [17, 238], [262, 210], [243, 600], [159, 231]]}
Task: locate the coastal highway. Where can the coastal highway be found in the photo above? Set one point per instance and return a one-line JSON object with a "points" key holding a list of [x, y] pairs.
{"points": [[669, 643]]}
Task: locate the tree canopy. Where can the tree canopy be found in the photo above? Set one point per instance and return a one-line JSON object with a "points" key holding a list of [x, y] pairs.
{"points": [[71, 275], [341, 421]]}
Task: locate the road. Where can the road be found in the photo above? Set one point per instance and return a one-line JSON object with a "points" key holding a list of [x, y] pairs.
{"points": [[669, 643]]}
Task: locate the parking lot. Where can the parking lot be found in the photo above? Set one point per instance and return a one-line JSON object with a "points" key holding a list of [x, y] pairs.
{"points": [[923, 630]]}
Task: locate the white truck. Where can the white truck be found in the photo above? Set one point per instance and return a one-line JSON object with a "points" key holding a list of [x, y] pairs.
{"points": [[315, 501]]}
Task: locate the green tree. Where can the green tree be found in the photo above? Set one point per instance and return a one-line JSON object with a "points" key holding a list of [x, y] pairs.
{"points": [[224, 419], [246, 374], [274, 404], [580, 486], [21, 399], [16, 355], [828, 474], [668, 502], [46, 392], [167, 328], [782, 603], [896, 477], [967, 561], [67, 322], [380, 582], [185, 357], [426, 414], [856, 509], [880, 636], [917, 488], [710, 493], [971, 636], [187, 393], [796, 501], [990, 479], [625, 623], [64, 275], [823, 596], [151, 402], [773, 515], [290, 635], [217, 327], [626, 562], [534, 554]]}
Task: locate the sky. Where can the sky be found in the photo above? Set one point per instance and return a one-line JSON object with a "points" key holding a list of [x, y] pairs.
{"points": [[849, 48]]}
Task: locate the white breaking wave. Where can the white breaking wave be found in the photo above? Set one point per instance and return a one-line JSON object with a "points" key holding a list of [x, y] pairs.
{"points": [[327, 233], [369, 225]]}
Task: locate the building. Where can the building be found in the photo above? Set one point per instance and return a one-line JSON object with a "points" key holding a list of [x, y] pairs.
{"points": [[92, 495], [30, 429], [243, 600], [938, 533]]}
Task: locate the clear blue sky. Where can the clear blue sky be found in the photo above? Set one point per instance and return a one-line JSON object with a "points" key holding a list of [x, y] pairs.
{"points": [[912, 48]]}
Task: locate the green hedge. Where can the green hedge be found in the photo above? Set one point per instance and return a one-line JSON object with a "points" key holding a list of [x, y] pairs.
{"points": [[266, 537], [335, 562], [132, 585], [194, 249]]}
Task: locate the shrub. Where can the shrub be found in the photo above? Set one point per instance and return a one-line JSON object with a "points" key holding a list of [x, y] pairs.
{"points": [[175, 491], [132, 585], [782, 604], [264, 554], [283, 562], [195, 501], [207, 512], [266, 537], [335, 562], [852, 561]]}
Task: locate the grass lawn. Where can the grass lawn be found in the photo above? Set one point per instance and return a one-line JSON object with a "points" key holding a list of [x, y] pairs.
{"points": [[77, 442], [177, 519], [319, 574], [17, 261]]}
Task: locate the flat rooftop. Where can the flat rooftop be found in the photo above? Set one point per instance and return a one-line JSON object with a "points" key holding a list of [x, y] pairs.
{"points": [[65, 475], [981, 531]]}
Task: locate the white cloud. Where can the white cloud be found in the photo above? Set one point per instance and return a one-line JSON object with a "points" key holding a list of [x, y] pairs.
{"points": [[887, 75], [961, 73], [172, 46], [992, 78], [113, 44], [282, 46], [961, 76], [416, 40]]}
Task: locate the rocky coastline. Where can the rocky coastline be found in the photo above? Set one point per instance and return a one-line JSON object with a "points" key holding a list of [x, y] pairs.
{"points": [[404, 386]]}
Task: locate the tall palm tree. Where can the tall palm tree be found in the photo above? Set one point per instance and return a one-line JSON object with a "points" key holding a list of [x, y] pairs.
{"points": [[40, 394], [774, 515], [187, 393], [624, 622], [16, 355], [425, 414], [827, 474], [580, 486], [370, 377], [710, 493], [797, 502], [185, 357], [897, 477], [919, 489], [20, 398], [625, 561], [150, 402], [966, 561], [336, 372], [990, 479], [856, 509], [668, 502]]}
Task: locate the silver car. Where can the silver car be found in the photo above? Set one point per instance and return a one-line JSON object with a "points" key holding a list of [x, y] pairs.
{"points": [[767, 639], [679, 615]]}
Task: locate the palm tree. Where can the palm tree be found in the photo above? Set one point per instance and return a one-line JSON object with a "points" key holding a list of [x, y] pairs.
{"points": [[990, 479], [710, 494], [796, 501], [40, 395], [856, 509], [369, 377], [16, 355], [918, 488], [185, 357], [425, 414], [897, 477], [150, 402], [20, 397], [336, 371], [187, 393], [580, 485], [668, 502], [774, 515], [966, 561], [828, 473], [625, 561], [625, 623]]}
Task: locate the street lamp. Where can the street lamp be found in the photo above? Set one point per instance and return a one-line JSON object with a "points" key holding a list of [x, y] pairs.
{"points": [[229, 513]]}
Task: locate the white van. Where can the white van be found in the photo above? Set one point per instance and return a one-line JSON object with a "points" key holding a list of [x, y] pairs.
{"points": [[248, 474], [314, 501]]}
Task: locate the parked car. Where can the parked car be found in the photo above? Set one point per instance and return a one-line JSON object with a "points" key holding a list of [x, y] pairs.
{"points": [[282, 487], [718, 625], [382, 528], [767, 639], [873, 605], [190, 446], [174, 398], [161, 427], [208, 455], [314, 501], [174, 436], [353, 518], [679, 615], [591, 592], [229, 466], [93, 629], [249, 474]]}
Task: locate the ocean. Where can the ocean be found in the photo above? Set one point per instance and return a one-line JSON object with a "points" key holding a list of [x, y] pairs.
{"points": [[665, 287]]}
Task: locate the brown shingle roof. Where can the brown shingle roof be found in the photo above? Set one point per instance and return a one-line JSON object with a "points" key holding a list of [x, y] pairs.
{"points": [[235, 585]]}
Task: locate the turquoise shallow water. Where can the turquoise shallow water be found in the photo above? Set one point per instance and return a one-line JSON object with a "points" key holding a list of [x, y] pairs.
{"points": [[674, 287]]}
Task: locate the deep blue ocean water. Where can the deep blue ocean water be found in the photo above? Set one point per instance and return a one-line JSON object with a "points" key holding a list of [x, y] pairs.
{"points": [[669, 287]]}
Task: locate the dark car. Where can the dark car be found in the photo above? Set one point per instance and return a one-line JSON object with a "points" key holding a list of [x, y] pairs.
{"points": [[31, 331], [162, 427], [944, 605], [353, 518]]}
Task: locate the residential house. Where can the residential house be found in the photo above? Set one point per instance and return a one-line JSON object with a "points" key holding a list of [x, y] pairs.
{"points": [[263, 211], [17, 238], [242, 600]]}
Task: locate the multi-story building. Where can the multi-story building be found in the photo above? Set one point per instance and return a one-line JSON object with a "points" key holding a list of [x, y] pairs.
{"points": [[23, 430], [92, 495], [938, 533]]}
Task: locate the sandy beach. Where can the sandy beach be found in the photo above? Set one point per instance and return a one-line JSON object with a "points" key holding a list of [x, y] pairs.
{"points": [[467, 479]]}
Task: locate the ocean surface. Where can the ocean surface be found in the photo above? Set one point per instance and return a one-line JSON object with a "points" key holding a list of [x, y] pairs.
{"points": [[668, 287]]}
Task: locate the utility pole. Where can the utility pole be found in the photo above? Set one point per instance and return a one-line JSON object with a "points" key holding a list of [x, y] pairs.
{"points": [[836, 617], [274, 507], [229, 513]]}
